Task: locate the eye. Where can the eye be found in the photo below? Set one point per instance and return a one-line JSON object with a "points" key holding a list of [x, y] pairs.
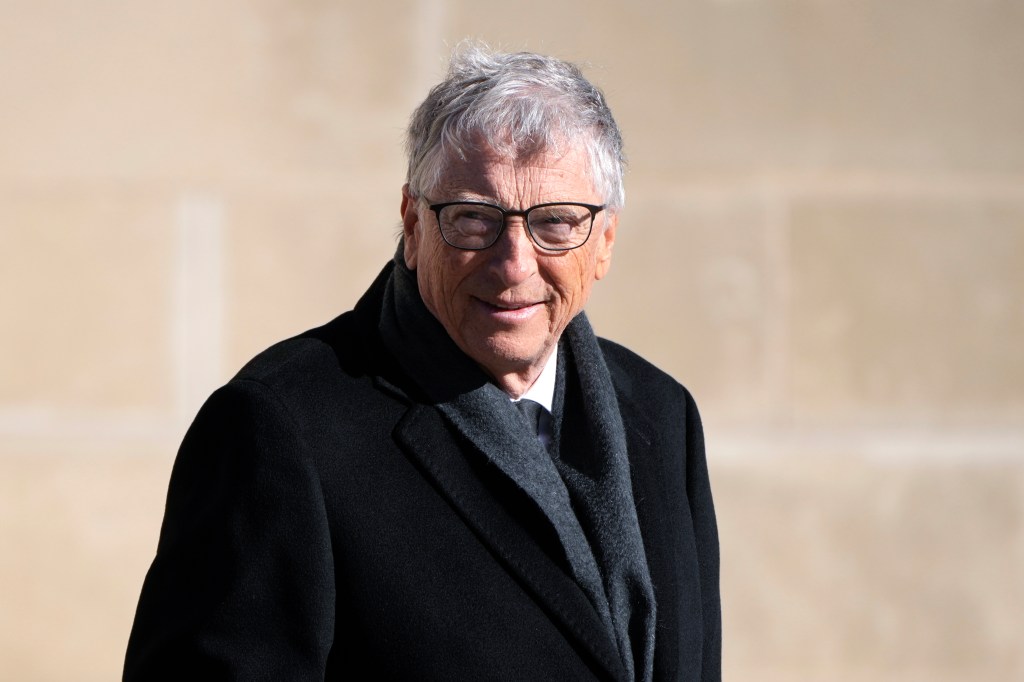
{"points": [[475, 217], [560, 226], [565, 217], [470, 225], [471, 214]]}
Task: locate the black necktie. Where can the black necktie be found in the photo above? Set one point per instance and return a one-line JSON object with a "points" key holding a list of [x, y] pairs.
{"points": [[531, 411]]}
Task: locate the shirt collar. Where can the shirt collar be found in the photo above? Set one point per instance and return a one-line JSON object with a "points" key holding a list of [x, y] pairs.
{"points": [[543, 389]]}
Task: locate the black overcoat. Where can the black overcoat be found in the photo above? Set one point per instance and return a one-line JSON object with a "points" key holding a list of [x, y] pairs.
{"points": [[324, 522]]}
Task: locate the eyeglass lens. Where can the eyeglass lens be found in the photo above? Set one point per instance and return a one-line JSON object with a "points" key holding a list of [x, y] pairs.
{"points": [[555, 227]]}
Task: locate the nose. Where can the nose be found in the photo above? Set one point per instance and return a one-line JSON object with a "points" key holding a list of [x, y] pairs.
{"points": [[513, 256]]}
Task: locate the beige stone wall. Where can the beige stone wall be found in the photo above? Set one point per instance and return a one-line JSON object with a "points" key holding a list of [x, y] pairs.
{"points": [[824, 239]]}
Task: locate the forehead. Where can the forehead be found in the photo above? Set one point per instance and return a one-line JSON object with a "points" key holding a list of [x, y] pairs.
{"points": [[539, 177]]}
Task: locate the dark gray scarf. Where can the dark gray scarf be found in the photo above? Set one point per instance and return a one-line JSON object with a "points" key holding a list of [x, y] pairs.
{"points": [[585, 492]]}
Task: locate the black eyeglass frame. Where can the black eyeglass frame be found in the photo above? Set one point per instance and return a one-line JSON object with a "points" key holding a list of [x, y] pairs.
{"points": [[524, 214]]}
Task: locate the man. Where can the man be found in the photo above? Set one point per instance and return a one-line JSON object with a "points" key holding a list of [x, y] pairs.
{"points": [[368, 500]]}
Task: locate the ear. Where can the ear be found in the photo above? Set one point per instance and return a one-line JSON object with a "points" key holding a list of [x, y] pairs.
{"points": [[605, 242], [410, 225]]}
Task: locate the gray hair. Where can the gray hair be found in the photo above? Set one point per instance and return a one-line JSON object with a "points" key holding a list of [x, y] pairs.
{"points": [[518, 104]]}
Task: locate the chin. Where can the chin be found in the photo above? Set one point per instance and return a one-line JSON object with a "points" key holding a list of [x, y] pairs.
{"points": [[509, 354]]}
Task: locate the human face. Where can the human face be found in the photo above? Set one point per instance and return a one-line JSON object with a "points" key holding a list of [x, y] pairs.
{"points": [[507, 305]]}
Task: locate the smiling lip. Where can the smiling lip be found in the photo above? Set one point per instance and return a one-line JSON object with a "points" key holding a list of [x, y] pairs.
{"points": [[510, 312]]}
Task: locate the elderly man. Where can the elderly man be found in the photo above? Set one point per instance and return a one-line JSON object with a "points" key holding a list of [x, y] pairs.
{"points": [[456, 480]]}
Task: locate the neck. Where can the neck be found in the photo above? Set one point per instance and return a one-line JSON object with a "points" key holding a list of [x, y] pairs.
{"points": [[515, 384], [538, 380]]}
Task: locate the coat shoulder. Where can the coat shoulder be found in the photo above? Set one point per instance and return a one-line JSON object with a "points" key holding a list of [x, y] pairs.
{"points": [[329, 358], [318, 348], [638, 379], [327, 377]]}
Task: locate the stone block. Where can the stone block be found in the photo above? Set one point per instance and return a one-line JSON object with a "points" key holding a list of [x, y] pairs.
{"points": [[86, 293], [200, 92], [78, 533], [838, 568], [762, 86], [907, 310]]}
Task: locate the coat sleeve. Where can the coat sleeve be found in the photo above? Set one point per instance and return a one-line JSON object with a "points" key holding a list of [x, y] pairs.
{"points": [[702, 512], [242, 584]]}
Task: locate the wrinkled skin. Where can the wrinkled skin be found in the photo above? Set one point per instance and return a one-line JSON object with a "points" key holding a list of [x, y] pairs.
{"points": [[506, 306]]}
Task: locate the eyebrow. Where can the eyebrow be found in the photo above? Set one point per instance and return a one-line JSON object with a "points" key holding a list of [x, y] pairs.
{"points": [[460, 197], [467, 195]]}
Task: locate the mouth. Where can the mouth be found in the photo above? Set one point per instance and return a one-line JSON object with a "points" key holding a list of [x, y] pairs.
{"points": [[501, 305], [510, 311]]}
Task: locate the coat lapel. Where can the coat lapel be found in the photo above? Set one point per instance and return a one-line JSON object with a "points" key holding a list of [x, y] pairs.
{"points": [[510, 525]]}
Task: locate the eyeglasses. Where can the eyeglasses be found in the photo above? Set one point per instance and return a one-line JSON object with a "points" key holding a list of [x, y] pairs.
{"points": [[474, 225]]}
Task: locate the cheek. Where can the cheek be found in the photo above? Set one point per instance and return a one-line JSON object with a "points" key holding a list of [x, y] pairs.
{"points": [[440, 275], [429, 269], [574, 282], [586, 269]]}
